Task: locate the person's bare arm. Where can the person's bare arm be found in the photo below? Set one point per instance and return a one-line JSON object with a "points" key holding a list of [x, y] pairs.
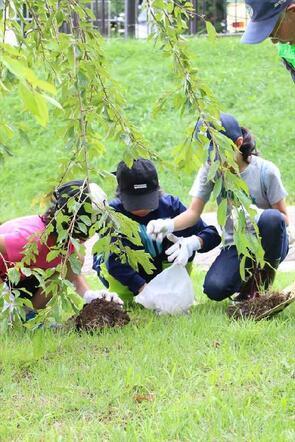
{"points": [[2, 250], [282, 207], [190, 216], [78, 280], [2, 245]]}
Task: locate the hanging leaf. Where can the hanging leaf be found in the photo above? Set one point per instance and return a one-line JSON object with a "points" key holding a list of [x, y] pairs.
{"points": [[211, 31], [222, 213]]}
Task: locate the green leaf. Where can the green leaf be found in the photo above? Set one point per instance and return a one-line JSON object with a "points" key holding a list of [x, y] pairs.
{"points": [[52, 101], [45, 86], [75, 263], [222, 212], [19, 69], [139, 257], [211, 31], [85, 219], [217, 188], [102, 245], [34, 103], [242, 268], [52, 255], [13, 275]]}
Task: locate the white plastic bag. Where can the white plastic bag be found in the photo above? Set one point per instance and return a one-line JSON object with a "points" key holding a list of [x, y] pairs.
{"points": [[170, 292]]}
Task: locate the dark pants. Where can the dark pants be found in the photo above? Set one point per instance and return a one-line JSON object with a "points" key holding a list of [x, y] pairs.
{"points": [[223, 278]]}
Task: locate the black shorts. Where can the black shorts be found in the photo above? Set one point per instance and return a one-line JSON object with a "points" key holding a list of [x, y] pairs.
{"points": [[27, 287]]}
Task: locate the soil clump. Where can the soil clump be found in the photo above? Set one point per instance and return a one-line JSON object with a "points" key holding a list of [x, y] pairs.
{"points": [[262, 307], [100, 314]]}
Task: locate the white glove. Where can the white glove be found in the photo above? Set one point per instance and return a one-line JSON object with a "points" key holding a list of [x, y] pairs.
{"points": [[90, 295], [6, 293], [182, 249], [159, 228]]}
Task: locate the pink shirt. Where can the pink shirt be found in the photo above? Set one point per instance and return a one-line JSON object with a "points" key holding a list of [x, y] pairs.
{"points": [[19, 232]]}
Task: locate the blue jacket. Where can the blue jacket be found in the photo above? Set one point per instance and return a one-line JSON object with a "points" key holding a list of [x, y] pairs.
{"points": [[169, 207]]}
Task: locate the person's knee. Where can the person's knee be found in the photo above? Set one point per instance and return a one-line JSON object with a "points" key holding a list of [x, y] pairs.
{"points": [[215, 289], [272, 220]]}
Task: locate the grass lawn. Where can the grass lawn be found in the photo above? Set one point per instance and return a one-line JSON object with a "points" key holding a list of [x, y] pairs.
{"points": [[198, 377], [248, 81]]}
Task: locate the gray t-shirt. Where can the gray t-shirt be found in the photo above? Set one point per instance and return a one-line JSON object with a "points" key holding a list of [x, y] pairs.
{"points": [[265, 187]]}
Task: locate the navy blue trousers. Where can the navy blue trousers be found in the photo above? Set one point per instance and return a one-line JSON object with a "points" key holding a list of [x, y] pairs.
{"points": [[223, 278]]}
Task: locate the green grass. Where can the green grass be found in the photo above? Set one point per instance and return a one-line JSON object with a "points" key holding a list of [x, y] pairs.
{"points": [[248, 81], [195, 377], [200, 377]]}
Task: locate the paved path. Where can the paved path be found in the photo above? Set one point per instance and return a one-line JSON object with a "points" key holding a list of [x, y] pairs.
{"points": [[206, 259]]}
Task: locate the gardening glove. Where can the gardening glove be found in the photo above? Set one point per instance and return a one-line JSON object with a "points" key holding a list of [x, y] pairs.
{"points": [[182, 249], [90, 295], [159, 228]]}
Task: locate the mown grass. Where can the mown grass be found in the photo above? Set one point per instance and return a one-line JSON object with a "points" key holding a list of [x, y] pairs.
{"points": [[248, 81], [195, 377]]}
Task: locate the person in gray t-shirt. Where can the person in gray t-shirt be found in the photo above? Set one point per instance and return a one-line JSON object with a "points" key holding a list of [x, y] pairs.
{"points": [[268, 196]]}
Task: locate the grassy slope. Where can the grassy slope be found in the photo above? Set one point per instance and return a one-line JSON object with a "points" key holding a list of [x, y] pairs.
{"points": [[248, 81], [209, 379]]}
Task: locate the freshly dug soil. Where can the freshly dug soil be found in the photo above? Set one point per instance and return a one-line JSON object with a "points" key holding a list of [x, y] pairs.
{"points": [[267, 305], [101, 314]]}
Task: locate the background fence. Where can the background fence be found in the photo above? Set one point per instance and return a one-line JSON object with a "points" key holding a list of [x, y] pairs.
{"points": [[128, 17]]}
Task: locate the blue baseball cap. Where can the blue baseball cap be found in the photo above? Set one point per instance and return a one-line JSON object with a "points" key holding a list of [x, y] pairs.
{"points": [[264, 17], [231, 127]]}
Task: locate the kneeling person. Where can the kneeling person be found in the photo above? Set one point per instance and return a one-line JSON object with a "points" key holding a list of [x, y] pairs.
{"points": [[31, 231], [140, 198]]}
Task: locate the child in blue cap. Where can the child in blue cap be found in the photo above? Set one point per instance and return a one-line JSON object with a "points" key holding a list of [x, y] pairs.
{"points": [[267, 193]]}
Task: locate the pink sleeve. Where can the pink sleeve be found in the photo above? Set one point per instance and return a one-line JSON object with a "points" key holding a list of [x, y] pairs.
{"points": [[14, 244]]}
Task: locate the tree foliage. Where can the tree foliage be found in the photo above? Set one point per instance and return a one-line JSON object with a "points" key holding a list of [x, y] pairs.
{"points": [[65, 77]]}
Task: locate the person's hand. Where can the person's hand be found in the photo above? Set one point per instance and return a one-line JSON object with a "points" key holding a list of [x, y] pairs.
{"points": [[90, 295], [182, 249], [159, 228]]}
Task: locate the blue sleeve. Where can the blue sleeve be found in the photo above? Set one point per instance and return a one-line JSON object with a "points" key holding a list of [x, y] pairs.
{"points": [[123, 273], [209, 234]]}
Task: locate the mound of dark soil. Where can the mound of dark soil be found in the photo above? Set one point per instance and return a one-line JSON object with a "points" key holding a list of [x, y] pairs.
{"points": [[101, 314], [265, 306]]}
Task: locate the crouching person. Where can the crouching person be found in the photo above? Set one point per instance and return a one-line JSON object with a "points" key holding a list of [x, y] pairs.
{"points": [[268, 195], [18, 234], [140, 198]]}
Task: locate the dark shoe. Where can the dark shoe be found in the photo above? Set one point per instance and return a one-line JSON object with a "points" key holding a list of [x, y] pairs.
{"points": [[249, 288], [259, 281]]}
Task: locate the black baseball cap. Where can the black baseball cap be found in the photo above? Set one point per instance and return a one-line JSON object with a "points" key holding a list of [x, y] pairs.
{"points": [[231, 127], [264, 17], [138, 186]]}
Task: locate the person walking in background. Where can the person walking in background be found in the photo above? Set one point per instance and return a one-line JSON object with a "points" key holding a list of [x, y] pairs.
{"points": [[274, 19]]}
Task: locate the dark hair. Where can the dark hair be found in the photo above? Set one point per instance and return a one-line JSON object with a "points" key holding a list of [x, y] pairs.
{"points": [[248, 147], [76, 191]]}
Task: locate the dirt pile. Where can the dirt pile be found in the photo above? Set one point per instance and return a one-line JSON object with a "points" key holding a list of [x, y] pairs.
{"points": [[265, 306], [101, 314]]}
